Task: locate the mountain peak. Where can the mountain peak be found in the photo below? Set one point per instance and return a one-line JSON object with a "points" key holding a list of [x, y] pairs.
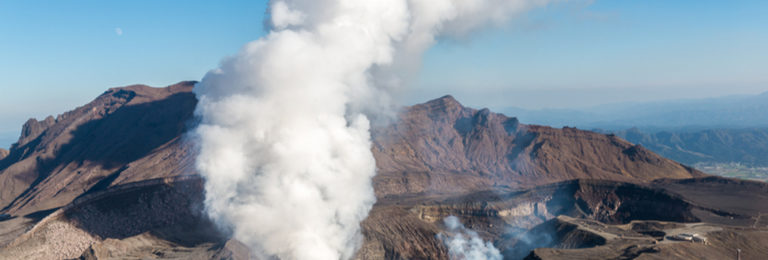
{"points": [[33, 128], [446, 100], [445, 105]]}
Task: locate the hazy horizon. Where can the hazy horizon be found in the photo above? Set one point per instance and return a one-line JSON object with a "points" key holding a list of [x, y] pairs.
{"points": [[496, 104]]}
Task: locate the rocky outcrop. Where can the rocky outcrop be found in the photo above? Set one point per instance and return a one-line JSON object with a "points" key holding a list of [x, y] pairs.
{"points": [[33, 128], [3, 153]]}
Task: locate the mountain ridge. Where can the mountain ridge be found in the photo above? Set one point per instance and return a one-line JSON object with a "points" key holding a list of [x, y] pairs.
{"points": [[445, 138], [137, 132], [742, 111], [748, 146], [76, 179], [57, 159]]}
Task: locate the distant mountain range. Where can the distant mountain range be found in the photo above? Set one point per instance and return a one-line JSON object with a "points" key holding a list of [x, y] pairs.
{"points": [[748, 146], [685, 115], [714, 130]]}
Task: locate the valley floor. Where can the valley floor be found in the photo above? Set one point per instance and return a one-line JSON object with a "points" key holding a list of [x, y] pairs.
{"points": [[734, 170]]}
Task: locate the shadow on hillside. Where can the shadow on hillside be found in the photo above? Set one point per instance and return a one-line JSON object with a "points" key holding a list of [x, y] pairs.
{"points": [[172, 211], [39, 215], [129, 133], [113, 141]]}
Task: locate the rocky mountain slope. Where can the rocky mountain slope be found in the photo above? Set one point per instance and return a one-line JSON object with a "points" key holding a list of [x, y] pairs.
{"points": [[443, 146], [126, 134], [115, 179]]}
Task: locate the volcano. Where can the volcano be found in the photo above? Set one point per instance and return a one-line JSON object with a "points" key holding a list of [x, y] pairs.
{"points": [[115, 178]]}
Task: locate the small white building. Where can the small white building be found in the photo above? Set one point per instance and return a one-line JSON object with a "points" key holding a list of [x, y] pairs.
{"points": [[688, 237]]}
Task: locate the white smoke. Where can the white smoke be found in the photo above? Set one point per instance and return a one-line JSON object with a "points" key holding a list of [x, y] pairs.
{"points": [[284, 140], [465, 244]]}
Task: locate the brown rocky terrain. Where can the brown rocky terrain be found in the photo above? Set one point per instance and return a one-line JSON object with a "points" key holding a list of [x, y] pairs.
{"points": [[605, 218], [115, 179], [160, 218], [126, 134], [157, 218], [629, 241], [442, 146]]}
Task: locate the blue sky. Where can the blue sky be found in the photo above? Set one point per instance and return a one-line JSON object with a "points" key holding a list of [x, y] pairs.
{"points": [[57, 55]]}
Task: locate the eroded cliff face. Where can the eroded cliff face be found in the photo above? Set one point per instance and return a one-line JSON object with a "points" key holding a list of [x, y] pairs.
{"points": [[605, 201], [572, 214]]}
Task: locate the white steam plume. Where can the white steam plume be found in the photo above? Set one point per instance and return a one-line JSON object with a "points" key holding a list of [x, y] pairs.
{"points": [[284, 140], [465, 244]]}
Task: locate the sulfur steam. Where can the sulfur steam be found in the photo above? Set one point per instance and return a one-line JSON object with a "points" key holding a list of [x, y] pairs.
{"points": [[284, 139], [465, 244]]}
